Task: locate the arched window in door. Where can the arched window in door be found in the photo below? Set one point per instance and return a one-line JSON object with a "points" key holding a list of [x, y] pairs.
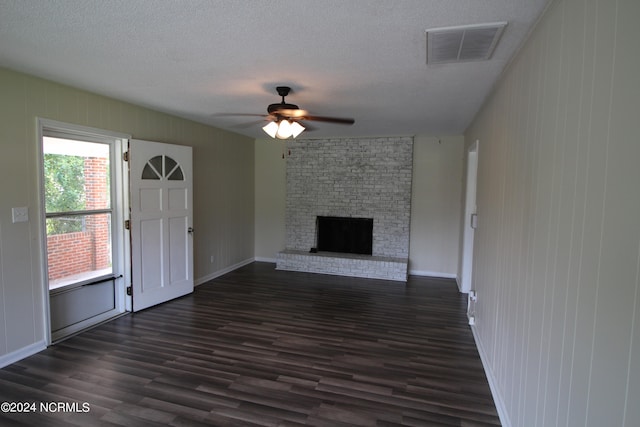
{"points": [[162, 167]]}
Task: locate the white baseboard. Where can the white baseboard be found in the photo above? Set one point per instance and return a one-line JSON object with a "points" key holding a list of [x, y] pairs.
{"points": [[20, 354], [459, 282], [432, 274], [270, 260], [497, 397], [201, 280]]}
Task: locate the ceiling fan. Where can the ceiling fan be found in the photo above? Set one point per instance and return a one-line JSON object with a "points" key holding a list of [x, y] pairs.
{"points": [[285, 118]]}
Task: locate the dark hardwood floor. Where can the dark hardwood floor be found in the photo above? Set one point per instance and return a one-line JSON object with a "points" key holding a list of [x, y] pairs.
{"points": [[264, 347]]}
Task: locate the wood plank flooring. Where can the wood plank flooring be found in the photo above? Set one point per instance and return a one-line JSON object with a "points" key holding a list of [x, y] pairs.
{"points": [[260, 347]]}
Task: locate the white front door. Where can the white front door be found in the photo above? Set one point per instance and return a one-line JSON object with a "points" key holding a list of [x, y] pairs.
{"points": [[161, 183]]}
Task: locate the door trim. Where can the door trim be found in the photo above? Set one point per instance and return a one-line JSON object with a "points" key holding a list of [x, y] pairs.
{"points": [[468, 233]]}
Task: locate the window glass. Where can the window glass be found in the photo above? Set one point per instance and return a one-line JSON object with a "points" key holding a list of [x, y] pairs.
{"points": [[149, 173], [77, 180], [76, 175], [162, 167]]}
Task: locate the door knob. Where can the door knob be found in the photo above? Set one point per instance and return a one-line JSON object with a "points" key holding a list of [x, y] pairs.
{"points": [[190, 230]]}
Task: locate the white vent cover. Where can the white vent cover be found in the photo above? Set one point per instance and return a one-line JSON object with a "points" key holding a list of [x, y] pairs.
{"points": [[463, 43]]}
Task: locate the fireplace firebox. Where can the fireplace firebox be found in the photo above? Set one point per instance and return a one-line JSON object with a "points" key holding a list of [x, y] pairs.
{"points": [[344, 234]]}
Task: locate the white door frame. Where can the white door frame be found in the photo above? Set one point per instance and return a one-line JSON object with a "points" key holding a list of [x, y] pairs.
{"points": [[468, 232], [120, 242]]}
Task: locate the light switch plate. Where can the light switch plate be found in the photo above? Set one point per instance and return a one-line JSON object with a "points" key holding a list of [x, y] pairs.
{"points": [[20, 214]]}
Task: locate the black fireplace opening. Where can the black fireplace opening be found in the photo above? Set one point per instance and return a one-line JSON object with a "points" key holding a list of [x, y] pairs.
{"points": [[344, 234]]}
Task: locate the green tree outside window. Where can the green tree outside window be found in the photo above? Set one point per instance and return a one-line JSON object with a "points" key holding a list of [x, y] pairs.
{"points": [[64, 191]]}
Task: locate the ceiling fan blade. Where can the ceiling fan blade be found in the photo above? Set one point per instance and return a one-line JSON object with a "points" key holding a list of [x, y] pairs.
{"points": [[339, 120], [292, 113], [285, 111], [238, 115], [307, 126], [300, 114]]}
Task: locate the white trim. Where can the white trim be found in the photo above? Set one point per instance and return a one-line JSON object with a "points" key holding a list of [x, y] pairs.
{"points": [[22, 353], [224, 271], [471, 26], [123, 215], [41, 239], [493, 383], [465, 263], [70, 128], [432, 274], [68, 331], [269, 260]]}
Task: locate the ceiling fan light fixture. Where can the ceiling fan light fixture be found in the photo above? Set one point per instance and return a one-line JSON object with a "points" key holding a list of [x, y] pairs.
{"points": [[296, 129], [284, 130], [271, 129]]}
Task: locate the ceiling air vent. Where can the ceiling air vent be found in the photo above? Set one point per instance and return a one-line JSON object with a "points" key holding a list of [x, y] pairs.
{"points": [[463, 43]]}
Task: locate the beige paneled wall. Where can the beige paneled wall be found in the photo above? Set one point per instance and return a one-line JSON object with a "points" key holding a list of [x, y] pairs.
{"points": [[223, 190], [436, 205], [558, 245], [271, 189]]}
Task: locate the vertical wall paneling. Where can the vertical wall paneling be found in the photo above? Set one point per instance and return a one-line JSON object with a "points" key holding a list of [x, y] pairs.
{"points": [[270, 187], [557, 251], [623, 158], [436, 205]]}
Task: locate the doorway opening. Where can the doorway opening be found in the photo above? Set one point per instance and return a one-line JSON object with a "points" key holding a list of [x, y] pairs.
{"points": [[83, 204], [470, 220]]}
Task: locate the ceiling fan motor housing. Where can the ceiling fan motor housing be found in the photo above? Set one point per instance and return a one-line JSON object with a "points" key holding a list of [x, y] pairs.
{"points": [[274, 108]]}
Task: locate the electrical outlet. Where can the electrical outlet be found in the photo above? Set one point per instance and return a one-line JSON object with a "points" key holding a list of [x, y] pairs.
{"points": [[211, 259]]}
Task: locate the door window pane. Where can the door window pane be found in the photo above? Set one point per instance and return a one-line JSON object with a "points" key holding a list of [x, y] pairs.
{"points": [[176, 175], [156, 169], [149, 173]]}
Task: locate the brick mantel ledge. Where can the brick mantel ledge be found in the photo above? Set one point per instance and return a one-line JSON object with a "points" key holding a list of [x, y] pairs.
{"points": [[367, 266]]}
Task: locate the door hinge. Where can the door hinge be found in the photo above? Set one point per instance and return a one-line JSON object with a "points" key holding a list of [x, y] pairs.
{"points": [[127, 224], [125, 156], [129, 291]]}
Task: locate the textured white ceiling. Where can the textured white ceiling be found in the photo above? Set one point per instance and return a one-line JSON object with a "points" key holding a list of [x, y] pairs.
{"points": [[202, 59]]}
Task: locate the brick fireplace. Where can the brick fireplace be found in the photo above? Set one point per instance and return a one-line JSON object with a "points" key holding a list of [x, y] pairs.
{"points": [[349, 178]]}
